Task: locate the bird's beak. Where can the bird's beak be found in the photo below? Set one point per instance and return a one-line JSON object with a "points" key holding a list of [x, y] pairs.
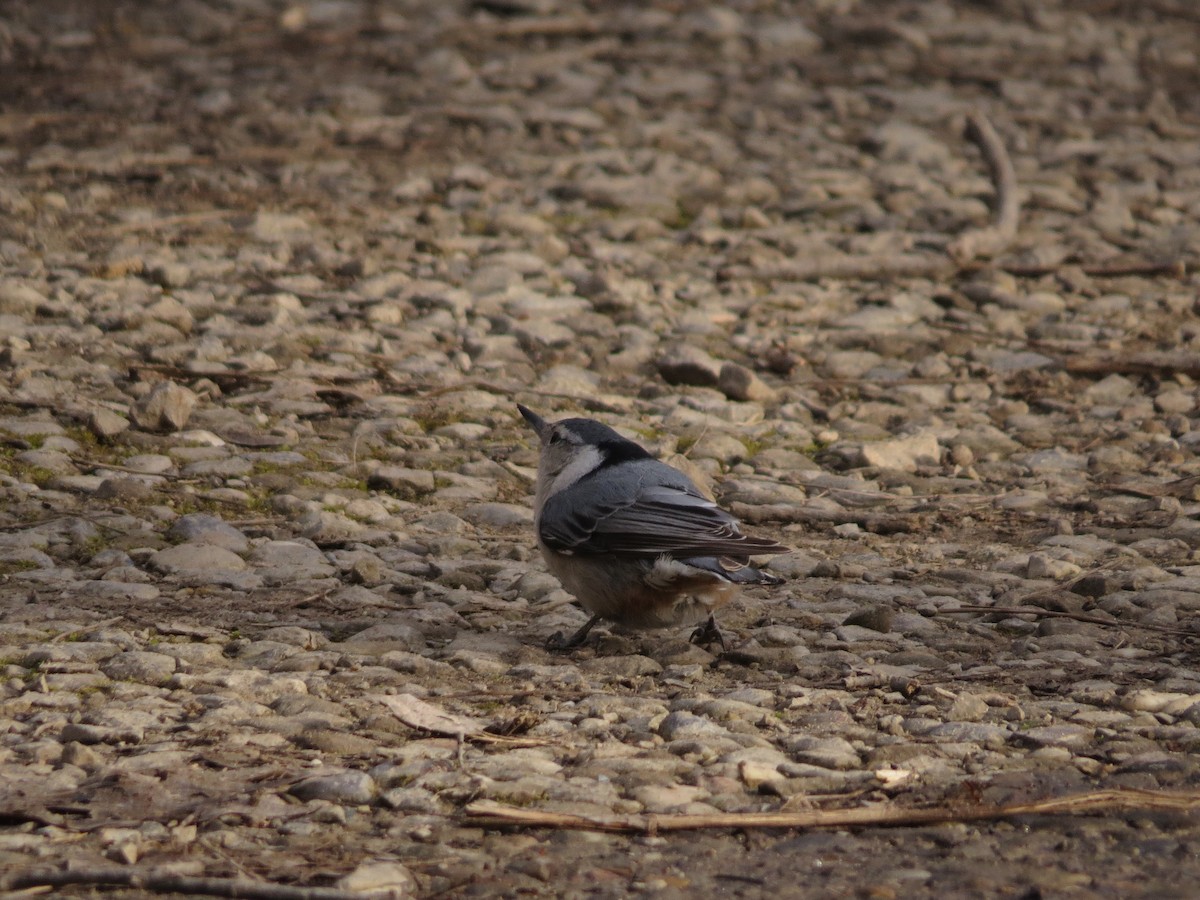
{"points": [[536, 422]]}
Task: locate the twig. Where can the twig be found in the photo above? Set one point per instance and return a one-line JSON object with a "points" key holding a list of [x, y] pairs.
{"points": [[488, 812], [163, 883], [876, 523], [994, 239], [865, 268], [1167, 363], [1112, 269], [1078, 617]]}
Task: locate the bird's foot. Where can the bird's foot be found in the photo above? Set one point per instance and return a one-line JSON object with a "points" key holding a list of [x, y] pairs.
{"points": [[710, 633], [556, 643]]}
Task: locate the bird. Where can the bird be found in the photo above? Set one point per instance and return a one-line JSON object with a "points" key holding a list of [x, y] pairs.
{"points": [[632, 538]]}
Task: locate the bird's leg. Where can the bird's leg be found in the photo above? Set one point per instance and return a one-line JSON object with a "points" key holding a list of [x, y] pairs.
{"points": [[709, 632], [556, 642]]}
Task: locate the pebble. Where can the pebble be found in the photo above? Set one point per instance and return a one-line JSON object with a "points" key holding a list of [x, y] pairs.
{"points": [[349, 787], [192, 559], [166, 408]]}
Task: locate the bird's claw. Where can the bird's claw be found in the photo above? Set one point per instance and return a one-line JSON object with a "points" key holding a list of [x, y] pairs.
{"points": [[556, 644], [709, 633]]}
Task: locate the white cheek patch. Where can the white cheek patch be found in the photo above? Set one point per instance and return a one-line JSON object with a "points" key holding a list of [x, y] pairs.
{"points": [[587, 459]]}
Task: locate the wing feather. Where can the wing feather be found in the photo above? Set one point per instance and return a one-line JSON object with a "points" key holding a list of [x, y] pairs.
{"points": [[625, 515]]}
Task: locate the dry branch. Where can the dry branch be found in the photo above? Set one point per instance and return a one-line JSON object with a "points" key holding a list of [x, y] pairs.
{"points": [[994, 239], [1165, 363], [488, 812], [866, 268], [165, 883], [874, 522], [1077, 617]]}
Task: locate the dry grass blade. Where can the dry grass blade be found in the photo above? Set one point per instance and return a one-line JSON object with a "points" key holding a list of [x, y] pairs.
{"points": [[488, 812]]}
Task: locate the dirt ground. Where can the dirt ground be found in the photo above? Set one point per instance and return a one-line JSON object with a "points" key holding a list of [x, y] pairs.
{"points": [[355, 232]]}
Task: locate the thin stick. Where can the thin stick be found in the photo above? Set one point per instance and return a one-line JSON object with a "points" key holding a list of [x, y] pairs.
{"points": [[1170, 362], [1114, 269], [865, 268], [161, 883], [1078, 617], [994, 239], [488, 812]]}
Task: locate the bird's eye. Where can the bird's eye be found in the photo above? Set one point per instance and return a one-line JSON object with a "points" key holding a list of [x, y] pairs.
{"points": [[555, 437]]}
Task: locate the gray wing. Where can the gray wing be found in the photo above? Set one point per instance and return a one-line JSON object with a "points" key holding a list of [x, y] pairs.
{"points": [[626, 515]]}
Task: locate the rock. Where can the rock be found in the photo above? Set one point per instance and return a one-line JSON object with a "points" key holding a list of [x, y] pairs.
{"points": [[349, 787], [381, 880], [878, 618], [202, 528], [739, 383], [281, 562], [828, 753], [686, 726], [967, 708], [685, 364], [902, 454], [196, 560], [166, 408], [403, 481], [141, 666], [105, 424]]}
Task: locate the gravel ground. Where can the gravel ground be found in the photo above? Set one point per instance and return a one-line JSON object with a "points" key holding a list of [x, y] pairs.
{"points": [[272, 278]]}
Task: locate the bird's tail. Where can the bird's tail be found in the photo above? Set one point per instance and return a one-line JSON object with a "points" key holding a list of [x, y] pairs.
{"points": [[735, 571]]}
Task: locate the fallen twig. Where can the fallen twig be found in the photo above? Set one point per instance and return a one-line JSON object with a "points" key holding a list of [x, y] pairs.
{"points": [[1078, 617], [1112, 269], [165, 883], [866, 268], [876, 523], [488, 812], [994, 239], [1169, 362]]}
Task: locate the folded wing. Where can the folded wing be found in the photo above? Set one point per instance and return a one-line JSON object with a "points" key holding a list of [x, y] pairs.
{"points": [[655, 519]]}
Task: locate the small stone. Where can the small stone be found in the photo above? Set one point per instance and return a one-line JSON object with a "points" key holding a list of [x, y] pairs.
{"points": [[499, 515], [1069, 736], [349, 787], [685, 364], [202, 528], [81, 755], [281, 562], [196, 560], [382, 880], [878, 619], [739, 383], [684, 725], [106, 424], [125, 490], [902, 454], [142, 666], [166, 408], [967, 708], [402, 481], [1042, 565], [826, 752]]}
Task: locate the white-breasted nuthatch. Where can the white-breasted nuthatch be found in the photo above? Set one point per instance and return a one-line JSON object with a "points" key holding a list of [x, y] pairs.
{"points": [[632, 538]]}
